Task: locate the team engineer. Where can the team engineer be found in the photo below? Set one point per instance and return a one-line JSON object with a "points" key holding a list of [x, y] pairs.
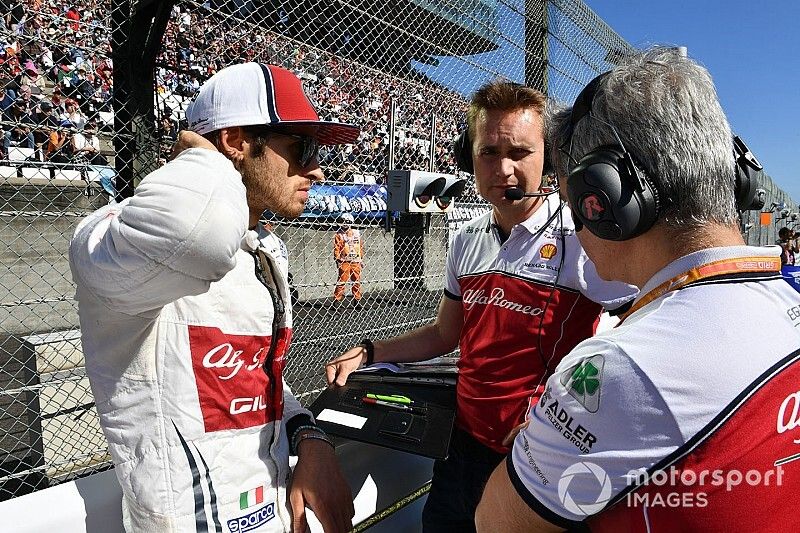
{"points": [[519, 294]]}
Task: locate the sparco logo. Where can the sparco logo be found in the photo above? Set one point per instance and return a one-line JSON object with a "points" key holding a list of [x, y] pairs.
{"points": [[251, 521], [789, 419], [225, 357], [497, 297]]}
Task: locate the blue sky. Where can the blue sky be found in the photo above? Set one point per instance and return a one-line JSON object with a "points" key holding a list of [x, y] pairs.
{"points": [[752, 50]]}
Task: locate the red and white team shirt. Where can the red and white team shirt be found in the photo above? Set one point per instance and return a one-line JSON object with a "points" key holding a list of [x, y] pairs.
{"points": [[685, 417], [537, 290]]}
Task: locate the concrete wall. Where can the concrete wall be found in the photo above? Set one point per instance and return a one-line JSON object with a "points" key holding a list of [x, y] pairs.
{"points": [[35, 282], [435, 258], [37, 292], [314, 271]]}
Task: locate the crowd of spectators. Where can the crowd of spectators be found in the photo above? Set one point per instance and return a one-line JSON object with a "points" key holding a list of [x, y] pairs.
{"points": [[198, 42], [56, 86], [55, 78]]}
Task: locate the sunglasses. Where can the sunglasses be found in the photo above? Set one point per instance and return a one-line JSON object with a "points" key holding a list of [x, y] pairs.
{"points": [[306, 150]]}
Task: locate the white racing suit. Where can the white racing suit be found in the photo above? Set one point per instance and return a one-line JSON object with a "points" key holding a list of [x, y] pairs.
{"points": [[185, 350]]}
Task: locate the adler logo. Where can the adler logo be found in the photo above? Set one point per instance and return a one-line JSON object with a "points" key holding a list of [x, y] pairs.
{"points": [[497, 298]]}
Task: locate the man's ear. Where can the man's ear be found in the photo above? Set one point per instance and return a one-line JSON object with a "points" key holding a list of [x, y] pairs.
{"points": [[232, 143]]}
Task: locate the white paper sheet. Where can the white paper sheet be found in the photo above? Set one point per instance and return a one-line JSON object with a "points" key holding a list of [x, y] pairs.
{"points": [[343, 419]]}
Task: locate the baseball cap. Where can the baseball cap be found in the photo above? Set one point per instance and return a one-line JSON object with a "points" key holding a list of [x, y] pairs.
{"points": [[251, 94], [346, 217]]}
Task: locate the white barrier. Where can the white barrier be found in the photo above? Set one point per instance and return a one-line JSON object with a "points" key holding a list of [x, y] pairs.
{"points": [[377, 476], [89, 505]]}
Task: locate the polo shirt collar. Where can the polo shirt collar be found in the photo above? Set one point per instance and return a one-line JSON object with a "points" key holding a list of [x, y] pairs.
{"points": [[702, 257], [534, 223]]}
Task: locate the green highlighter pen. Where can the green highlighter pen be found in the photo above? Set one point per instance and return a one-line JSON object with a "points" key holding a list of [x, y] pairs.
{"points": [[394, 398]]}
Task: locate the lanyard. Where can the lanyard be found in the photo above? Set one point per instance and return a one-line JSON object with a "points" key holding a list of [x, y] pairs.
{"points": [[715, 268]]}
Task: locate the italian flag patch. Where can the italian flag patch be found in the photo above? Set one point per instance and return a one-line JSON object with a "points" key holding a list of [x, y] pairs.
{"points": [[251, 497]]}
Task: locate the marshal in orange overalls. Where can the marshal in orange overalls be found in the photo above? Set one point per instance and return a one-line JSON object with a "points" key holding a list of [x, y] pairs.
{"points": [[348, 253]]}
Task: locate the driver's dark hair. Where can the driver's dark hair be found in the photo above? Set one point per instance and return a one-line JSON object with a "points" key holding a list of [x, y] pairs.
{"points": [[258, 135]]}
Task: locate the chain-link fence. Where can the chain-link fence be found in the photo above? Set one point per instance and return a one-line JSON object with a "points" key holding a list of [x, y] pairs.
{"points": [[80, 129], [56, 165], [761, 227]]}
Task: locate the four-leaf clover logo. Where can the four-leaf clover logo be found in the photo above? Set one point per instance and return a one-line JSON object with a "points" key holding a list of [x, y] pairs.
{"points": [[584, 379], [583, 382]]}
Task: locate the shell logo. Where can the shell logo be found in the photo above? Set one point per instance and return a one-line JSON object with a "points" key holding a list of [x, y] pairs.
{"points": [[548, 251]]}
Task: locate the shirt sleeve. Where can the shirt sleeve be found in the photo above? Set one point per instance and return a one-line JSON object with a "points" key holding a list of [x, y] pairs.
{"points": [[176, 235], [451, 287], [292, 407], [338, 244], [599, 421]]}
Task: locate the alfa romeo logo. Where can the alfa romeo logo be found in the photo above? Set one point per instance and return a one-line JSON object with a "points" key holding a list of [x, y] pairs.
{"points": [[789, 414], [581, 507]]}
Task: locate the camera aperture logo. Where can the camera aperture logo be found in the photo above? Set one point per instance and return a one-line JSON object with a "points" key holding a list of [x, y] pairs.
{"points": [[597, 475]]}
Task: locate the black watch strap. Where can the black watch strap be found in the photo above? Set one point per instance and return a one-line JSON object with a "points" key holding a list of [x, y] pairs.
{"points": [[370, 348]]}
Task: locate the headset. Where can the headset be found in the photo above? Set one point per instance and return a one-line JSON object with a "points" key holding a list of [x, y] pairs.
{"points": [[462, 151], [613, 197], [745, 181], [609, 195]]}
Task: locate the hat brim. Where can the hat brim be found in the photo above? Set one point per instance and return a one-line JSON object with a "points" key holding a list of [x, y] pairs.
{"points": [[328, 132]]}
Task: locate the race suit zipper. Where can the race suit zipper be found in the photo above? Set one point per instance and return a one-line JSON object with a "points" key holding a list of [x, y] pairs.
{"points": [[278, 311]]}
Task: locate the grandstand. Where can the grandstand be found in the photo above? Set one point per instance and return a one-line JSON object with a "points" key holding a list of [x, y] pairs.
{"points": [[345, 91], [71, 144], [416, 29]]}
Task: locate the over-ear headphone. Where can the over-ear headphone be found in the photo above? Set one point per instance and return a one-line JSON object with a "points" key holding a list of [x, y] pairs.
{"points": [[617, 201], [745, 181], [609, 195], [462, 152]]}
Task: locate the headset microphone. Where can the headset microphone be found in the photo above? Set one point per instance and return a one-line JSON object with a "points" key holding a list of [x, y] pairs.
{"points": [[515, 193]]}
